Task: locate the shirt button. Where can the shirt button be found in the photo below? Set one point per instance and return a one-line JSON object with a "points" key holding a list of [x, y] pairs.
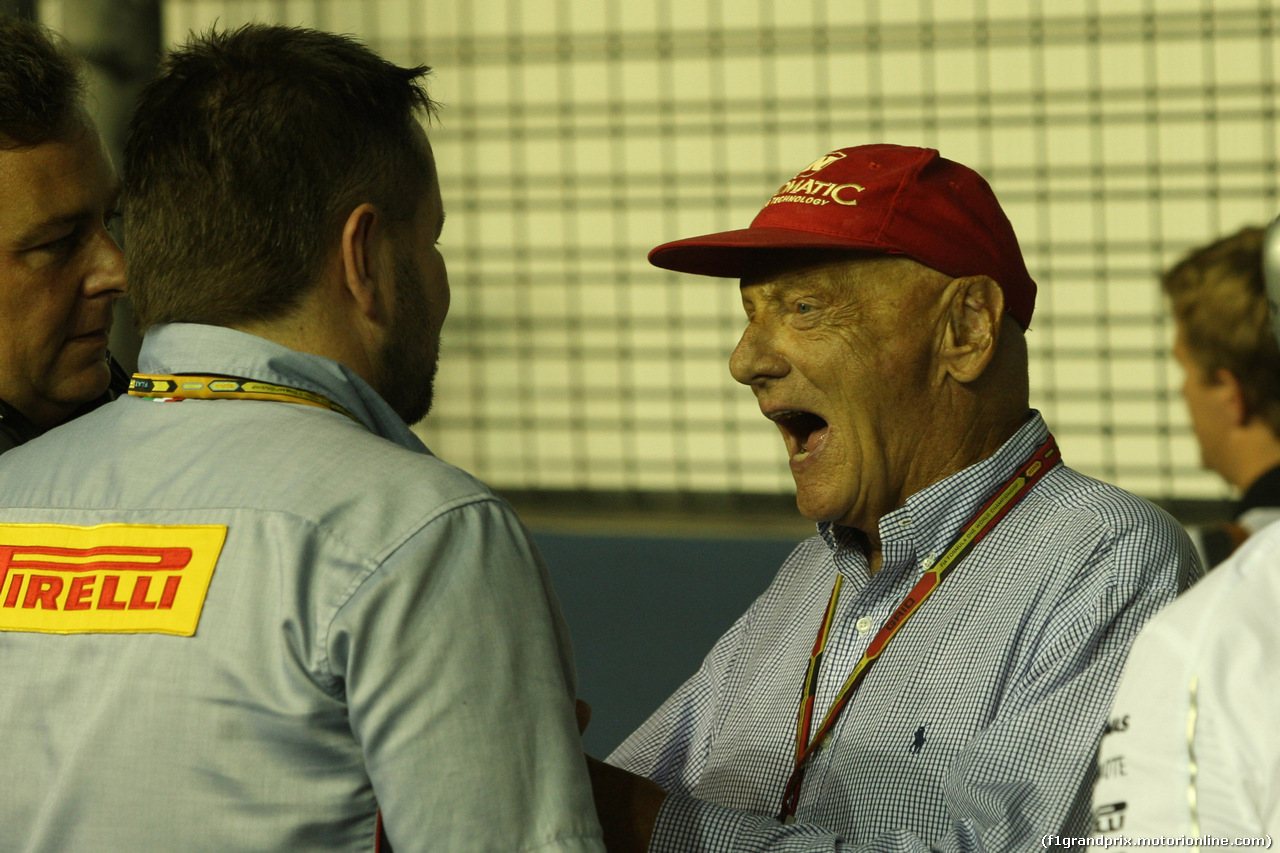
{"points": [[863, 625], [927, 562]]}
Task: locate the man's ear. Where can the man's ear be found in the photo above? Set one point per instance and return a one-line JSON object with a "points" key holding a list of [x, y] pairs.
{"points": [[972, 328], [366, 267]]}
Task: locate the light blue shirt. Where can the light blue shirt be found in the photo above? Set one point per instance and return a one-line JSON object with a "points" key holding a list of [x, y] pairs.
{"points": [[977, 727], [379, 633]]}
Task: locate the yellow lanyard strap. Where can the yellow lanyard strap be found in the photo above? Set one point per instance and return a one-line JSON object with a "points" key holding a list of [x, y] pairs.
{"points": [[183, 387]]}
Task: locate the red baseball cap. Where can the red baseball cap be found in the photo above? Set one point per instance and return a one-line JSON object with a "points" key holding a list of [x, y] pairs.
{"points": [[876, 198]]}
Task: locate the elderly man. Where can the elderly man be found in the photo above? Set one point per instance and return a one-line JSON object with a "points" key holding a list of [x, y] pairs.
{"points": [[933, 669], [1231, 368], [60, 269], [244, 608]]}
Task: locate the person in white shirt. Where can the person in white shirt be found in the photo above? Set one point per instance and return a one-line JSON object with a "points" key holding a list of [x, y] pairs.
{"points": [[1192, 749]]}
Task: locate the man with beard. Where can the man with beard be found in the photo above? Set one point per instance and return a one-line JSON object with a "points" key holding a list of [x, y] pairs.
{"points": [[244, 607], [932, 670], [60, 268]]}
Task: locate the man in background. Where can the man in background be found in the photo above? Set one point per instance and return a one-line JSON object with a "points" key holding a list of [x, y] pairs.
{"points": [[60, 267], [1192, 749], [931, 671], [1231, 367], [244, 608]]}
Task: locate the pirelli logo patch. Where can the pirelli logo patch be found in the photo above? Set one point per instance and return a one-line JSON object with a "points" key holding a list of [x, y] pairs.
{"points": [[108, 578]]}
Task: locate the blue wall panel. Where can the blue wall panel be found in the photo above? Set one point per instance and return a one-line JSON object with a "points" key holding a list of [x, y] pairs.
{"points": [[644, 611]]}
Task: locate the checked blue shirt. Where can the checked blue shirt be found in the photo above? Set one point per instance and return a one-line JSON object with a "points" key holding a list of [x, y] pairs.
{"points": [[976, 730]]}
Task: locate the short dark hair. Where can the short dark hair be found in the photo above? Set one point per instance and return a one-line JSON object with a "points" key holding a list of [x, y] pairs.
{"points": [[41, 84], [1219, 298], [244, 158]]}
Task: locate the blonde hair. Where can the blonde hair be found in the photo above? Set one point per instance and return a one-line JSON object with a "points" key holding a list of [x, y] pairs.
{"points": [[1219, 299]]}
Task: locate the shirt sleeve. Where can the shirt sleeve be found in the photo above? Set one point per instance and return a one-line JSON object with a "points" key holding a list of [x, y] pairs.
{"points": [[459, 682], [1025, 777]]}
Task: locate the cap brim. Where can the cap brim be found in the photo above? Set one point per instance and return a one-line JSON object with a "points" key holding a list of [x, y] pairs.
{"points": [[730, 254]]}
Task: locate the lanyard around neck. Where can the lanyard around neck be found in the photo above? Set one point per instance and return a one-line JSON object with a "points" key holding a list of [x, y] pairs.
{"points": [[982, 523], [194, 387]]}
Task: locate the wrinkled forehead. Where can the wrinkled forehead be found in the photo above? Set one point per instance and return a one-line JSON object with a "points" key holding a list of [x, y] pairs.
{"points": [[851, 275]]}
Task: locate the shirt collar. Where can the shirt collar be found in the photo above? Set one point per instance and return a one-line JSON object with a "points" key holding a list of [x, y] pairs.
{"points": [[923, 528], [195, 348], [1264, 491]]}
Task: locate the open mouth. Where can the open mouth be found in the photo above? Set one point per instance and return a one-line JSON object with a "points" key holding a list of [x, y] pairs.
{"points": [[803, 431]]}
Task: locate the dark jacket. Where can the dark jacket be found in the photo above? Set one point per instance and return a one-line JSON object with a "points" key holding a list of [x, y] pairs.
{"points": [[16, 429]]}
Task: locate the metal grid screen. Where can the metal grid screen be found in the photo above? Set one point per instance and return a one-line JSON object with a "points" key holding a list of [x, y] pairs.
{"points": [[577, 134]]}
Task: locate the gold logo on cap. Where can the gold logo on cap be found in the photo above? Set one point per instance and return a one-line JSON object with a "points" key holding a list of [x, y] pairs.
{"points": [[821, 163]]}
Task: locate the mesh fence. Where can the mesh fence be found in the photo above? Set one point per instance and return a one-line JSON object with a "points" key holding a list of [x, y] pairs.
{"points": [[577, 134]]}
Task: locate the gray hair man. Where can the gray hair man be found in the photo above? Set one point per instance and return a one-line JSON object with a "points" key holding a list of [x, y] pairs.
{"points": [[931, 671], [60, 267]]}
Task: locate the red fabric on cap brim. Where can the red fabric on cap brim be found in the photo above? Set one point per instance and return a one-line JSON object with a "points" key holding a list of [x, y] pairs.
{"points": [[729, 253], [880, 198]]}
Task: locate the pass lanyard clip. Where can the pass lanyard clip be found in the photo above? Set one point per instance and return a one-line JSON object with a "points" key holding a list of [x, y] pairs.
{"points": [[983, 522]]}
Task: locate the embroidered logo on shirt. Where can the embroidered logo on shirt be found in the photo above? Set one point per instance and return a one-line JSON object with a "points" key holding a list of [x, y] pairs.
{"points": [[919, 741], [108, 578]]}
